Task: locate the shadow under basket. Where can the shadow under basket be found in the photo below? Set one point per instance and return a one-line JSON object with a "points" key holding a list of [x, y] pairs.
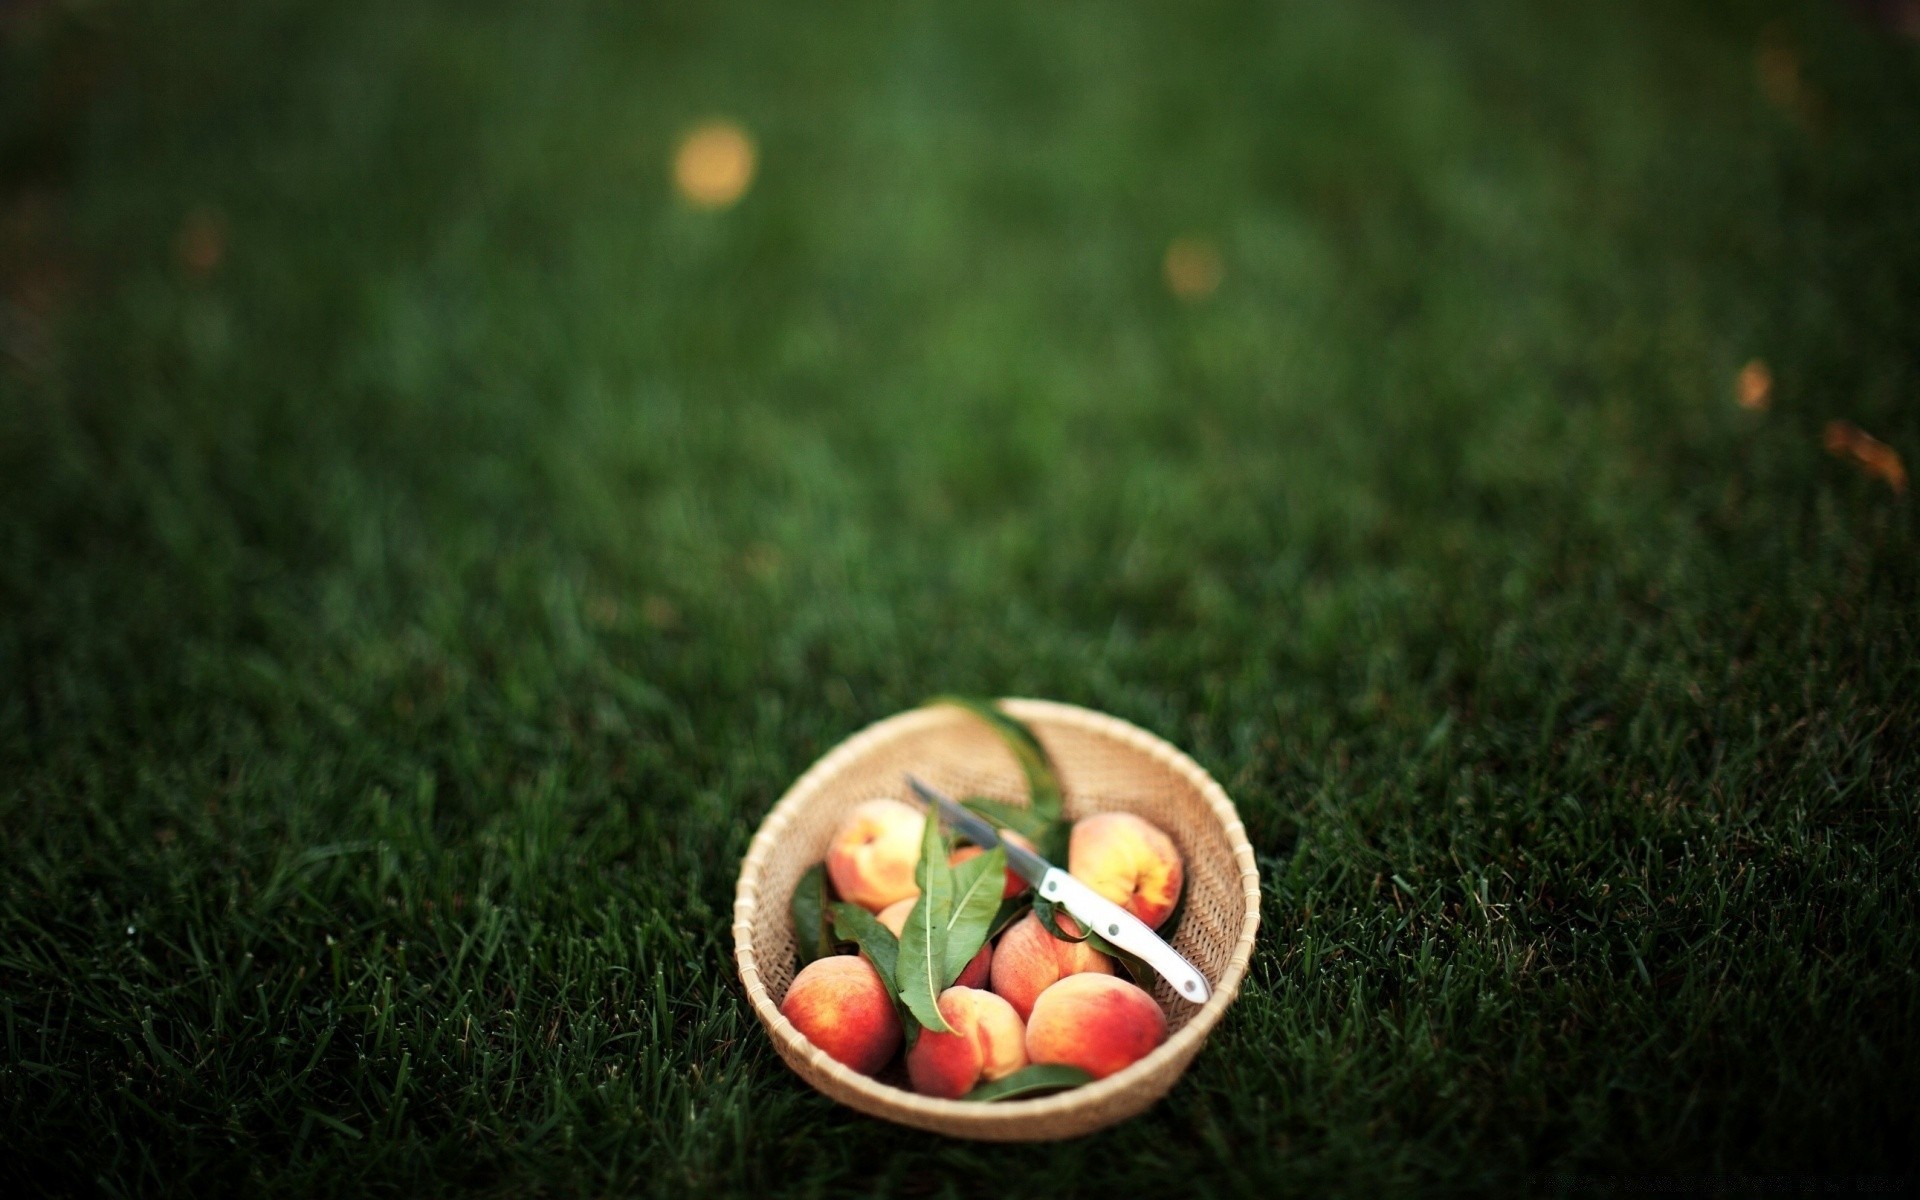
{"points": [[1104, 765]]}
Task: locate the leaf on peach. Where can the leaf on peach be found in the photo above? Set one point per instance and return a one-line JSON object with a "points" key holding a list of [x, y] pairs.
{"points": [[1040, 1077], [1049, 914], [1133, 965], [977, 884], [812, 929], [851, 923], [1011, 910], [923, 940]]}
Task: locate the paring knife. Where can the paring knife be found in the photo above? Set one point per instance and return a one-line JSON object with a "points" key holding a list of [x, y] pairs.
{"points": [[1089, 907]]}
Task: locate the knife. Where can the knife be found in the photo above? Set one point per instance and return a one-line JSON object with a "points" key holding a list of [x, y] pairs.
{"points": [[1089, 907]]}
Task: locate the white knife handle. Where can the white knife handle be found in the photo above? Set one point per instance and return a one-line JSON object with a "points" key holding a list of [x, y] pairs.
{"points": [[1128, 932]]}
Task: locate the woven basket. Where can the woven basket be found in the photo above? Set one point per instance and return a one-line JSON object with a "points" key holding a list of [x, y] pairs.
{"points": [[1104, 764]]}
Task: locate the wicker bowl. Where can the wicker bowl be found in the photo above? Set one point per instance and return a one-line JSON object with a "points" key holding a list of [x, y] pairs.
{"points": [[1104, 764]]}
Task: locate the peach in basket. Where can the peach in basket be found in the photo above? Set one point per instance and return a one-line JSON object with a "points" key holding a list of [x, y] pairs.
{"points": [[1102, 765]]}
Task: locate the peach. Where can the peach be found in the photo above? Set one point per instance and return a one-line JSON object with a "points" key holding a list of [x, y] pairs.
{"points": [[1129, 861], [894, 916], [1015, 884], [871, 858], [1095, 1022], [988, 1042], [1029, 960], [842, 1007], [973, 975]]}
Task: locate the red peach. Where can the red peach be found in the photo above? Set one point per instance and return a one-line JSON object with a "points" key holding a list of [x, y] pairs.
{"points": [[1029, 960], [871, 858], [987, 1043], [973, 975], [1129, 861], [842, 1007], [1095, 1022]]}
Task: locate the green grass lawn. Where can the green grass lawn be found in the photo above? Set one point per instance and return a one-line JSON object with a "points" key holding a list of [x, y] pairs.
{"points": [[428, 547]]}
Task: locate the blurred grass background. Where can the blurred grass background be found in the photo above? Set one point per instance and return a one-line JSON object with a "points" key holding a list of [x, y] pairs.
{"points": [[430, 544]]}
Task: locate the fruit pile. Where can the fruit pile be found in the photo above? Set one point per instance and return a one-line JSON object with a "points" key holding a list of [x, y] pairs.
{"points": [[994, 992]]}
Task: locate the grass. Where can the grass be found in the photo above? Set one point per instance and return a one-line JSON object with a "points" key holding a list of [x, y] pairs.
{"points": [[429, 548]]}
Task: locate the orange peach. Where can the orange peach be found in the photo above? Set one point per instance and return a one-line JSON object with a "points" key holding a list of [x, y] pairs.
{"points": [[1015, 884], [1129, 861], [973, 975], [1095, 1022], [871, 858], [894, 916], [988, 1042], [842, 1007], [1029, 960]]}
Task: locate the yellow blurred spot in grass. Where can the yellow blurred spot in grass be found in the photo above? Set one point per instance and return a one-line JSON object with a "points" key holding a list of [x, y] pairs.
{"points": [[1754, 387], [1846, 440], [714, 165], [1193, 268]]}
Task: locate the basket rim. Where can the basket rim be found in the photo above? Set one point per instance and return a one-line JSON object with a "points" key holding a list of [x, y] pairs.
{"points": [[960, 1115]]}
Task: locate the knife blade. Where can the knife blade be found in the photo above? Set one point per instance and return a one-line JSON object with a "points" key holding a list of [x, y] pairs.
{"points": [[1090, 908]]}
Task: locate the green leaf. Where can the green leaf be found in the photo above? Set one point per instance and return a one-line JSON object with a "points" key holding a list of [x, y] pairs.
{"points": [[977, 884], [1017, 817], [811, 935], [1048, 912], [1049, 838], [1011, 910], [923, 941], [1041, 1077], [1053, 845], [1132, 964], [1043, 785], [851, 923]]}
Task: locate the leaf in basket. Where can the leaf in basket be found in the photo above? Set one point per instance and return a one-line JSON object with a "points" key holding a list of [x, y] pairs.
{"points": [[1041, 1077], [812, 932], [1011, 910], [854, 924], [923, 941], [1017, 817], [1043, 785], [1049, 838], [851, 923], [977, 884], [1054, 844], [1048, 912], [1132, 964]]}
